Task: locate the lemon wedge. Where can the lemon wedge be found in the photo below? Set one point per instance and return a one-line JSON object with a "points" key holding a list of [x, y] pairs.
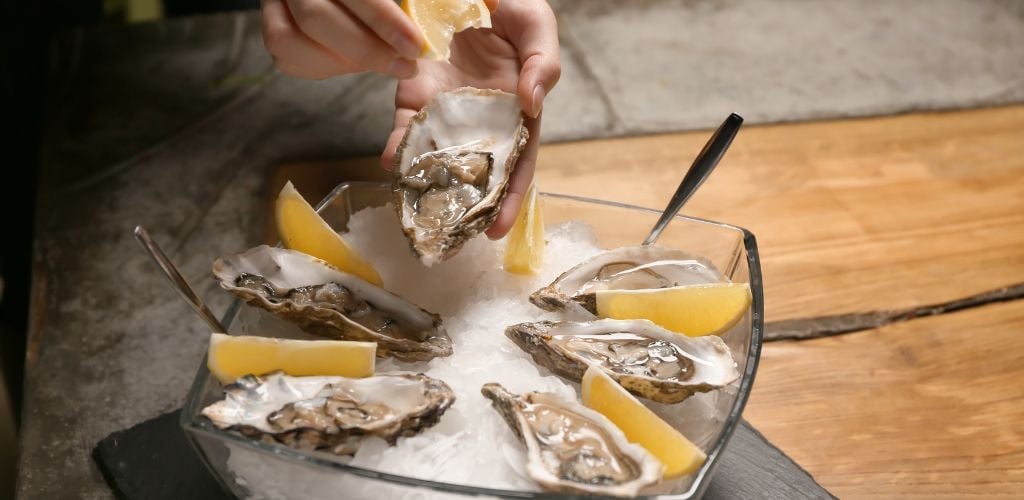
{"points": [[524, 252], [640, 425], [232, 356], [439, 20], [694, 310], [302, 229]]}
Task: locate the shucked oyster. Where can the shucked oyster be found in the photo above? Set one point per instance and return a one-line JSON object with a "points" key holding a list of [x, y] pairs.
{"points": [[453, 166], [646, 359], [624, 268], [329, 303], [572, 448], [330, 413]]}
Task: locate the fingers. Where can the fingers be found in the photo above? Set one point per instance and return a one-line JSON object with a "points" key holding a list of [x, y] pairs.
{"points": [[537, 44], [294, 53], [402, 118], [332, 26], [390, 24], [518, 184]]}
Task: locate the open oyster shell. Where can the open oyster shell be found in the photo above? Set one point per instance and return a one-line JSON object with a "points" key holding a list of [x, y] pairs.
{"points": [[646, 359], [330, 413], [452, 168], [624, 268], [327, 302], [571, 448]]}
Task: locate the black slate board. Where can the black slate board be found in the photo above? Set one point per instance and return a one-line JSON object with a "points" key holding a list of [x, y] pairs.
{"points": [[752, 467], [154, 461]]}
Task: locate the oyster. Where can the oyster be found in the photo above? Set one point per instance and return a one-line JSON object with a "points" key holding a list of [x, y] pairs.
{"points": [[330, 413], [572, 448], [646, 359], [624, 268], [329, 303], [452, 168]]}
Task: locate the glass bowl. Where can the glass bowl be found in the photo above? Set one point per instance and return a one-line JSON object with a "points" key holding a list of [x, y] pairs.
{"points": [[300, 474]]}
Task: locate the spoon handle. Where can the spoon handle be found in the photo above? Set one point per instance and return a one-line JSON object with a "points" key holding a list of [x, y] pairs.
{"points": [[174, 276], [701, 168]]}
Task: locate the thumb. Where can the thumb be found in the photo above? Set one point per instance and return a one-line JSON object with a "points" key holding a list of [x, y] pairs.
{"points": [[537, 44], [402, 118], [538, 77]]}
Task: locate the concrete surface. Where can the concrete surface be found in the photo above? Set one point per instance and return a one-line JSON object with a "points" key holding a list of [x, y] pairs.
{"points": [[175, 126], [679, 65]]}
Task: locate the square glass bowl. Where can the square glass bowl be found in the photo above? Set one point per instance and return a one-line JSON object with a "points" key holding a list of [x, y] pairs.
{"points": [[303, 474]]}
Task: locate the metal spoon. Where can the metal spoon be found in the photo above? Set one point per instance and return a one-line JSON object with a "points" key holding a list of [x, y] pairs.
{"points": [[701, 168], [176, 279]]}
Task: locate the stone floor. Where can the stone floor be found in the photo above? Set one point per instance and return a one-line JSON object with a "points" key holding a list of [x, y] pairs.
{"points": [[175, 126]]}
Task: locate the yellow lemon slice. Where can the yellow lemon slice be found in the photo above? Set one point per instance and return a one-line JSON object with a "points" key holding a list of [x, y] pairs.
{"points": [[694, 310], [524, 251], [439, 20], [302, 229], [641, 425], [232, 356]]}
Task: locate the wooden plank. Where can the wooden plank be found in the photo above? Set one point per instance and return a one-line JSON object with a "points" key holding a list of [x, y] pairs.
{"points": [[928, 408], [851, 215]]}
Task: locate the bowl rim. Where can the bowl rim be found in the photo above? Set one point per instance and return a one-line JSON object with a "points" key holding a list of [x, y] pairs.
{"points": [[701, 480]]}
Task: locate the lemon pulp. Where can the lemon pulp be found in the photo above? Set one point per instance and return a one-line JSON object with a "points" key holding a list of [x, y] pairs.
{"points": [[524, 252], [439, 20], [640, 425], [694, 310], [302, 229], [232, 356]]}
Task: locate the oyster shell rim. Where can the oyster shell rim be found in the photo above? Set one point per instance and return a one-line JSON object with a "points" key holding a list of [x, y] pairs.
{"points": [[474, 221], [340, 443], [552, 298], [333, 324], [529, 336], [649, 467]]}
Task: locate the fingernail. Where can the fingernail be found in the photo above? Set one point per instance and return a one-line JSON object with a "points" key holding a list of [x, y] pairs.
{"points": [[402, 68], [406, 46], [538, 100]]}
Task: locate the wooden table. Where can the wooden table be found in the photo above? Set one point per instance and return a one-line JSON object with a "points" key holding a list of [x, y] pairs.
{"points": [[854, 217]]}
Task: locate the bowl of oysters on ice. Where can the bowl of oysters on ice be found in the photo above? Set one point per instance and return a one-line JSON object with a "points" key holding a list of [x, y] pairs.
{"points": [[386, 349]]}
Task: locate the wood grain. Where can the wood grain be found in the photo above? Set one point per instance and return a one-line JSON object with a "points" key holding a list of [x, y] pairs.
{"points": [[928, 408], [850, 216]]}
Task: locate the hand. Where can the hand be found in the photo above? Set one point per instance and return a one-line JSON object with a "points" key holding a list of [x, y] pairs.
{"points": [[318, 39], [518, 54]]}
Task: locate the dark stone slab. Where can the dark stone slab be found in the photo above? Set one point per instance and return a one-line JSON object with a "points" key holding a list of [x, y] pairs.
{"points": [[154, 461], [752, 467]]}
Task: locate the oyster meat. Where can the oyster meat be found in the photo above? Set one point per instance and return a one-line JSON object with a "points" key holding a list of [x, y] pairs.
{"points": [[646, 359], [571, 448], [330, 303], [625, 268], [330, 414], [452, 168]]}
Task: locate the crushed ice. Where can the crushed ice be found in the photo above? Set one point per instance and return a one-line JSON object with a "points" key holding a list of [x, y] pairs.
{"points": [[471, 444]]}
